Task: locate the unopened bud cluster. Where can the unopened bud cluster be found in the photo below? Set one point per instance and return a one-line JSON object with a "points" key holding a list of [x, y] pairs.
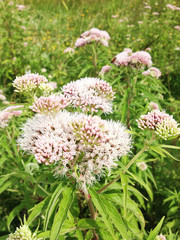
{"points": [[22, 233], [162, 123]]}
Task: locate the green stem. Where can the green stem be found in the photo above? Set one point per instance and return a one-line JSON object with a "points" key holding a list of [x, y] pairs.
{"points": [[90, 204]]}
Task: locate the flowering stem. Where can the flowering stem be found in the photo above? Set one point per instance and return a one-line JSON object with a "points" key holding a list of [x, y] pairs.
{"points": [[126, 168], [89, 202], [91, 209]]}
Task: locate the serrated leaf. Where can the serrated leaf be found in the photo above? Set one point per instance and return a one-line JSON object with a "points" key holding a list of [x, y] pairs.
{"points": [[131, 206], [61, 215], [156, 230], [116, 218]]}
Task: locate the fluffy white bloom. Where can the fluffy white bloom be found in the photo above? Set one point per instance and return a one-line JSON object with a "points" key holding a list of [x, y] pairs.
{"points": [[22, 233], [142, 166], [153, 72], [94, 34], [7, 114], [28, 82], [78, 145], [162, 123], [90, 94], [49, 105], [160, 237]]}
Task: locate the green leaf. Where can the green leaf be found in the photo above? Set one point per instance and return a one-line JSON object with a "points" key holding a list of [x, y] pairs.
{"points": [[157, 150], [61, 215], [102, 210], [169, 146], [131, 206], [37, 210], [44, 234], [156, 230], [79, 234], [4, 237], [124, 182], [52, 204], [88, 223], [14, 213], [116, 218]]}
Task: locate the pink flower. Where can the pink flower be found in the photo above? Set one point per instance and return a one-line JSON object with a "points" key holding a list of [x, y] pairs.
{"points": [[90, 95], [11, 3], [23, 27], [122, 59], [49, 105], [105, 69], [141, 58], [177, 28], [80, 42], [121, 20], [2, 97], [28, 82], [142, 166], [53, 84], [7, 114], [94, 34], [114, 16], [155, 13], [172, 7], [69, 50], [147, 7], [140, 22], [20, 7], [25, 44], [153, 106], [153, 72]]}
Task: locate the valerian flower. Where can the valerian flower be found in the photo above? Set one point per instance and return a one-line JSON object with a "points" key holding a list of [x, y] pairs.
{"points": [[153, 72], [162, 123], [50, 105], [28, 82], [22, 233], [93, 35], [77, 145], [90, 95]]}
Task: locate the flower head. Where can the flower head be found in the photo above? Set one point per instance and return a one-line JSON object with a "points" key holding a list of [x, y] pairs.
{"points": [[22, 233], [90, 94], [28, 82], [105, 69], [20, 7], [160, 237], [142, 166], [153, 72], [93, 35], [141, 58], [162, 123], [7, 114], [49, 105], [79, 146], [69, 50]]}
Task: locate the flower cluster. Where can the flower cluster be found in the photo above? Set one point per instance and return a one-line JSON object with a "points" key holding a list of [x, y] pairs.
{"points": [[160, 237], [93, 35], [138, 59], [2, 97], [142, 166], [22, 233], [163, 124], [69, 50], [105, 69], [49, 105], [90, 94], [153, 72], [28, 82], [172, 7], [8, 113], [177, 27], [79, 146]]}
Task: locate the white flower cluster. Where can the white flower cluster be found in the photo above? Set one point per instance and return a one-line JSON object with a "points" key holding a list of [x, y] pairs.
{"points": [[90, 95], [22, 233], [79, 146]]}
